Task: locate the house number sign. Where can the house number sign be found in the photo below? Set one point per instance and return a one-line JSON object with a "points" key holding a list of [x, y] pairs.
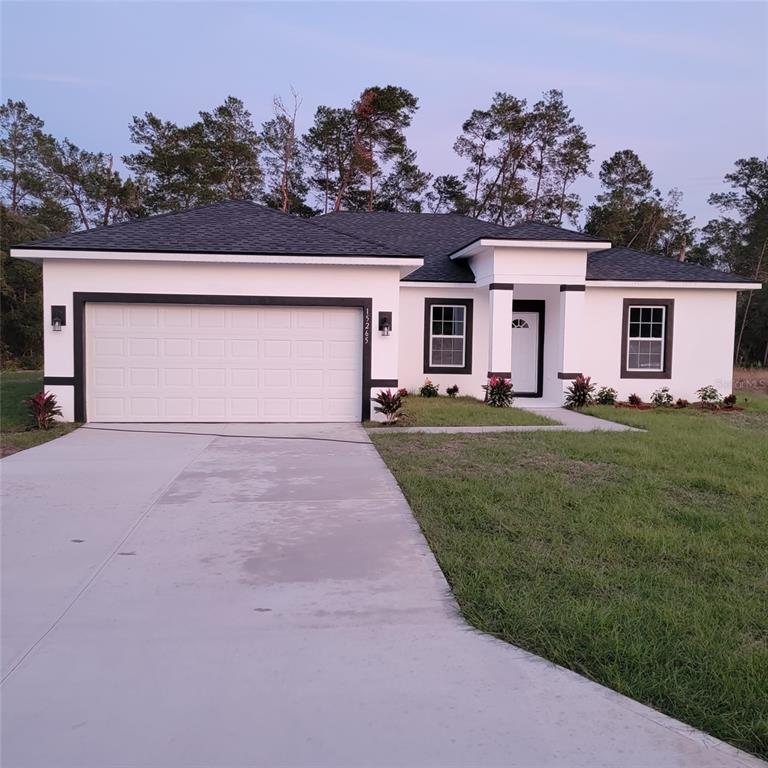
{"points": [[366, 325]]}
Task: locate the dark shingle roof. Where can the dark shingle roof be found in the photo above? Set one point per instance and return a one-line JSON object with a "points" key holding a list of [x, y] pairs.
{"points": [[629, 265], [243, 227], [236, 226], [435, 236]]}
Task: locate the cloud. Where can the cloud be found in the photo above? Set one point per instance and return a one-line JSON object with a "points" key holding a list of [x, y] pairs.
{"points": [[58, 79]]}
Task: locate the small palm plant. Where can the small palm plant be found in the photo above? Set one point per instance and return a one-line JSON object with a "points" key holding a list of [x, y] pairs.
{"points": [[43, 408], [581, 392], [499, 392], [389, 404]]}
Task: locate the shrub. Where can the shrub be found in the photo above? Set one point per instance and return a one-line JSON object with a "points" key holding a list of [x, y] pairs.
{"points": [[661, 398], [403, 392], [581, 393], [452, 391], [429, 389], [43, 408], [709, 396], [498, 392], [729, 401], [634, 399], [389, 404], [606, 396], [681, 403]]}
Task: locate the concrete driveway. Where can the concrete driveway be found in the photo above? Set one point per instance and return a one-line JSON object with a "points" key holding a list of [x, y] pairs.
{"points": [[200, 600]]}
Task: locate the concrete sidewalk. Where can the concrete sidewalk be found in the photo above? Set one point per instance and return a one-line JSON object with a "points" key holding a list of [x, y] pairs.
{"points": [[569, 421], [266, 598]]}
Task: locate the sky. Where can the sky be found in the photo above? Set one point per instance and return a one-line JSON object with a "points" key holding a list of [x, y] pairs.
{"points": [[684, 84]]}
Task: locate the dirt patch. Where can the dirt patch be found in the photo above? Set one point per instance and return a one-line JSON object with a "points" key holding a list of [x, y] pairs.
{"points": [[573, 469], [749, 419]]}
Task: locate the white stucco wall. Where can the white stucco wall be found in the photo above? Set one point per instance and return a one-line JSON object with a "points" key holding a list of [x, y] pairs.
{"points": [[411, 360], [702, 346], [61, 278], [519, 264]]}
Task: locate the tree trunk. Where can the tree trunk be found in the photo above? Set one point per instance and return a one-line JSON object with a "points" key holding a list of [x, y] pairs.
{"points": [[370, 175], [532, 212], [749, 302]]}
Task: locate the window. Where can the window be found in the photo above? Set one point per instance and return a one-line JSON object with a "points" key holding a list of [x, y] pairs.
{"points": [[519, 323], [647, 338], [645, 347], [448, 336]]}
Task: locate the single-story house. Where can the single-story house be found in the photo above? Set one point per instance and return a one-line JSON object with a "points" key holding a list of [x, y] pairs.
{"points": [[237, 312]]}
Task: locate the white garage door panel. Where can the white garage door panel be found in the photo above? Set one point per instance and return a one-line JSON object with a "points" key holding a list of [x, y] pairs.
{"points": [[211, 363]]}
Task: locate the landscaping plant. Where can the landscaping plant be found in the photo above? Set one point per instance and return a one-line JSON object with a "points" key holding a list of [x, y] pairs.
{"points": [[709, 396], [43, 408], [403, 392], [452, 391], [661, 398], [389, 404], [634, 399], [729, 401], [429, 389], [498, 392], [606, 396], [681, 403], [581, 393]]}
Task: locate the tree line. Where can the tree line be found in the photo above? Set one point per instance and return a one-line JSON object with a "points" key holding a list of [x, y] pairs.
{"points": [[521, 159]]}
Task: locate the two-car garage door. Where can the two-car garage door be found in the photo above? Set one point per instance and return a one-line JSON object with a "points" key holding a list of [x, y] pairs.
{"points": [[165, 363]]}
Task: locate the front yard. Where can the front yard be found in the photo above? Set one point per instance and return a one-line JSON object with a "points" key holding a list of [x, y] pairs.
{"points": [[15, 421], [638, 560], [445, 411]]}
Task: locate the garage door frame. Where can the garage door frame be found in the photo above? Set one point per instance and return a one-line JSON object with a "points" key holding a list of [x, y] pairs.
{"points": [[80, 299]]}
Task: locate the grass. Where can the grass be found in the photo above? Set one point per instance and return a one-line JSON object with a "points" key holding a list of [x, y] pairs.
{"points": [[460, 412], [635, 559], [16, 431]]}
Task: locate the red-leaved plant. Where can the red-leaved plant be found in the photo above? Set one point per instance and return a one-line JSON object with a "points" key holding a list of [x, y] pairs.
{"points": [[389, 403], [498, 392], [581, 393], [43, 408]]}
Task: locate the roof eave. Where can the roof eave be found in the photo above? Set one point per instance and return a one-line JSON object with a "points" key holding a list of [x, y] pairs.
{"points": [[39, 255], [498, 242], [593, 282]]}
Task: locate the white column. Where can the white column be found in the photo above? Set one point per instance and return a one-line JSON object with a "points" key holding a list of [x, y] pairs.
{"points": [[572, 331], [500, 329]]}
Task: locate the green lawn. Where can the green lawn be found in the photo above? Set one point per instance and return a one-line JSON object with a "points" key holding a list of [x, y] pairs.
{"points": [[15, 421], [635, 559], [460, 412]]}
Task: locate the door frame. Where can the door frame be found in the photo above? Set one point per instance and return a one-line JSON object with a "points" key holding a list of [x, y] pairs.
{"points": [[538, 306], [80, 299]]}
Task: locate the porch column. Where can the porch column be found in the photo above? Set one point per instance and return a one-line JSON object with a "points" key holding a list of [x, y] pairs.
{"points": [[572, 332], [500, 329]]}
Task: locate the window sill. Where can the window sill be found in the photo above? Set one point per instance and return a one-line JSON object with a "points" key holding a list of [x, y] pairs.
{"points": [[646, 375], [462, 371]]}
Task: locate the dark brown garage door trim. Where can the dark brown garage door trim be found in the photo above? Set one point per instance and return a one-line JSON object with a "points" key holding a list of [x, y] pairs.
{"points": [[80, 299]]}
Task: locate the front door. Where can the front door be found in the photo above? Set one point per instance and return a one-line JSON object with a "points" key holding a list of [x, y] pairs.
{"points": [[525, 353]]}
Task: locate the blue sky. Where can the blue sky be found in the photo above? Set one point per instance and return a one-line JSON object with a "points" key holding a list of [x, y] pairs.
{"points": [[683, 84]]}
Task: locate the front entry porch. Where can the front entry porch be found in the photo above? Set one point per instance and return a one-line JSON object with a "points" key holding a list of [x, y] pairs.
{"points": [[535, 336]]}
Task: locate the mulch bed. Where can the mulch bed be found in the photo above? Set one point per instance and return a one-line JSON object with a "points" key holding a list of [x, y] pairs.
{"points": [[698, 406]]}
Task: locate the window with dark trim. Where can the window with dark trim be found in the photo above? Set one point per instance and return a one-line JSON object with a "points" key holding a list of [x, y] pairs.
{"points": [[646, 338], [447, 335]]}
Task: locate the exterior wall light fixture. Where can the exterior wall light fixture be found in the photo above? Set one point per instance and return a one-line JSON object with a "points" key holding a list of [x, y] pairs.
{"points": [[385, 323], [58, 317]]}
